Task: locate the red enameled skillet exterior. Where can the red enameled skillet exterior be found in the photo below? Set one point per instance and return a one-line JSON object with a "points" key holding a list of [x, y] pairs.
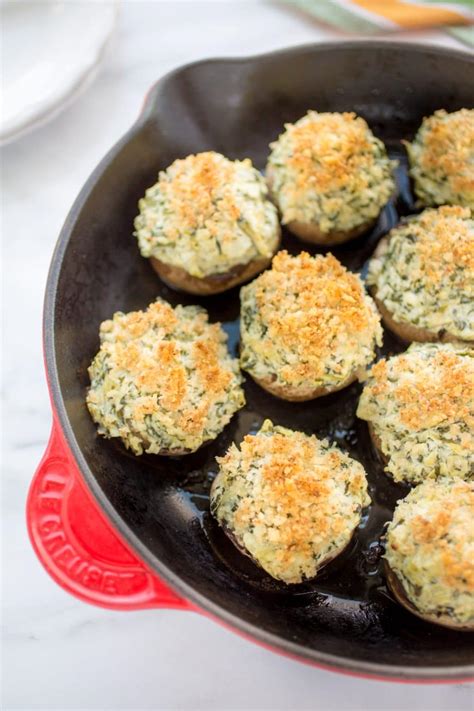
{"points": [[128, 533]]}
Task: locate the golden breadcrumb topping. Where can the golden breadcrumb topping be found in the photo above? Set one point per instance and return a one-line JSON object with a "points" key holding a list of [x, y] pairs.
{"points": [[445, 242], [163, 379], [289, 500], [329, 169], [442, 159], [307, 321], [207, 214], [338, 141], [426, 274], [430, 547], [421, 407]]}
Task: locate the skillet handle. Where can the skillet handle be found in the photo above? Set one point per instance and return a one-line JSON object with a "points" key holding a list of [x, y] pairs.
{"points": [[79, 547]]}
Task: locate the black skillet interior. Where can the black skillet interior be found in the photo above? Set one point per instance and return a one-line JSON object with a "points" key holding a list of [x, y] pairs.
{"points": [[346, 617]]}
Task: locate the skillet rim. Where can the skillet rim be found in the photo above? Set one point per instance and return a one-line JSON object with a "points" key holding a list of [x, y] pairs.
{"points": [[299, 652]]}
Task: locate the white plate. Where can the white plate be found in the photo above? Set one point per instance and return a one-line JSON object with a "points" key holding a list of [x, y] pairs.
{"points": [[50, 51]]}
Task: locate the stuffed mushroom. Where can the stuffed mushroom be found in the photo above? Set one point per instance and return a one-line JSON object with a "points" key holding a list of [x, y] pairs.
{"points": [[288, 500], [422, 276], [307, 327], [430, 553], [441, 159], [420, 410], [330, 177], [163, 381], [207, 224]]}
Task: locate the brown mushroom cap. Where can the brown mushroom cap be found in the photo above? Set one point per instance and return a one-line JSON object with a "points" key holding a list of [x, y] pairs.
{"points": [[295, 393], [397, 590], [178, 278], [406, 331]]}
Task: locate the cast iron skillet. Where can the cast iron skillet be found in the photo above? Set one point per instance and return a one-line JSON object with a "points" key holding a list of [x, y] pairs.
{"points": [[346, 618]]}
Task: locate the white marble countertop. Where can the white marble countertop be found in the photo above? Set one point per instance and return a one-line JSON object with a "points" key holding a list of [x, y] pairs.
{"points": [[59, 653]]}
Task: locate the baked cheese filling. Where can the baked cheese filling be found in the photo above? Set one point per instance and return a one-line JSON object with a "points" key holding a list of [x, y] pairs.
{"points": [[430, 548], [207, 215], [307, 322], [442, 159], [163, 380], [289, 500], [426, 275], [328, 169], [421, 407]]}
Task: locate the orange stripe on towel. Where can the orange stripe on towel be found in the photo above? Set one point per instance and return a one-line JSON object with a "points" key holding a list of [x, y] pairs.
{"points": [[407, 14]]}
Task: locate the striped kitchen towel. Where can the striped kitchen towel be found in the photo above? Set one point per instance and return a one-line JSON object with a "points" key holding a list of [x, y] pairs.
{"points": [[371, 16]]}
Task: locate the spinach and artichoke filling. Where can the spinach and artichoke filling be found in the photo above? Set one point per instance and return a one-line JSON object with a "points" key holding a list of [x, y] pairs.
{"points": [[307, 322], [442, 159], [163, 380], [329, 169], [207, 214], [425, 277], [430, 548], [288, 500], [421, 407]]}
